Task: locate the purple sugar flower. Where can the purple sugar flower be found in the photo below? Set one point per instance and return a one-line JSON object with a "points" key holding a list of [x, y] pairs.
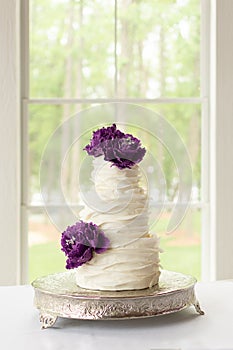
{"points": [[80, 241], [122, 150]]}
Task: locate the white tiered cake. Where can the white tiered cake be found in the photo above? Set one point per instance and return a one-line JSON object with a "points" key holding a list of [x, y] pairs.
{"points": [[111, 246], [132, 260]]}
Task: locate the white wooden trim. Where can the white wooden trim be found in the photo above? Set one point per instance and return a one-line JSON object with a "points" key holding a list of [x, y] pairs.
{"points": [[186, 100], [24, 94], [115, 49], [213, 160], [205, 145], [9, 145], [168, 205], [222, 140]]}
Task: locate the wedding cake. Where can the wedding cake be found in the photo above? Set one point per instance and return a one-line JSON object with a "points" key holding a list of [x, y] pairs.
{"points": [[111, 247]]}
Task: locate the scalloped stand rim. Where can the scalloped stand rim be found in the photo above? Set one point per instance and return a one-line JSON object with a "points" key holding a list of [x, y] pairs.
{"points": [[57, 296]]}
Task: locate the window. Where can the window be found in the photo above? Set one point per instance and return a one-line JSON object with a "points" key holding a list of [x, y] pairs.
{"points": [[83, 54], [216, 204]]}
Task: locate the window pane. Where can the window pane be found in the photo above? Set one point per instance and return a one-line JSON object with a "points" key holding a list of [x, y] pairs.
{"points": [[181, 248], [45, 254], [158, 48], [44, 120], [66, 154], [72, 48], [185, 120]]}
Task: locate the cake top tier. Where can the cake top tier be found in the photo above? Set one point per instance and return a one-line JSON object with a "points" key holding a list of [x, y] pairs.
{"points": [[122, 150]]}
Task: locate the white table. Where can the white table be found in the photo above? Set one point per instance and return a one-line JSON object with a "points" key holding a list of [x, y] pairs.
{"points": [[20, 327]]}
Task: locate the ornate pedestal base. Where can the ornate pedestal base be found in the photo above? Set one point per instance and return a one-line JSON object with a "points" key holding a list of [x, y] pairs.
{"points": [[58, 295], [47, 320]]}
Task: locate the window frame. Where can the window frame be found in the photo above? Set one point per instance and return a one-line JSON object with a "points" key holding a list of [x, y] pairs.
{"points": [[10, 144], [216, 250]]}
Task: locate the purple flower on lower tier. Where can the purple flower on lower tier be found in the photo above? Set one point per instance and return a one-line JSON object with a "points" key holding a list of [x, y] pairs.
{"points": [[80, 241], [122, 150]]}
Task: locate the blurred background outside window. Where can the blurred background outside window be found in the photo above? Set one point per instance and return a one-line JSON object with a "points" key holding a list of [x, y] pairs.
{"points": [[84, 52]]}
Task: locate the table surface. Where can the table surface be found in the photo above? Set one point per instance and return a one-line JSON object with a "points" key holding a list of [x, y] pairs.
{"points": [[20, 327]]}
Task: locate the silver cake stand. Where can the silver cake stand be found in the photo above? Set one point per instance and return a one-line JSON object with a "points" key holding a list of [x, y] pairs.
{"points": [[57, 295]]}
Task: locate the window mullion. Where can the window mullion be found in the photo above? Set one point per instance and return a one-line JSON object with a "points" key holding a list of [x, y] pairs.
{"points": [[24, 93], [115, 49], [175, 100], [205, 144]]}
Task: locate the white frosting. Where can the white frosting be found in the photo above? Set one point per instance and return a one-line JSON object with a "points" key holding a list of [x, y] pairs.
{"points": [[134, 266], [120, 208]]}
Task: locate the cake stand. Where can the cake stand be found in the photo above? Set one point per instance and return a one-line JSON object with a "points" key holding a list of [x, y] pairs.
{"points": [[57, 295]]}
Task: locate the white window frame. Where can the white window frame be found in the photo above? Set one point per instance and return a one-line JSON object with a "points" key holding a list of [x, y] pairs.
{"points": [[216, 99], [221, 139], [9, 144]]}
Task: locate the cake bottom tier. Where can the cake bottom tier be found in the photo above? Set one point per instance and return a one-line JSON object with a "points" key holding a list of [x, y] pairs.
{"points": [[130, 267]]}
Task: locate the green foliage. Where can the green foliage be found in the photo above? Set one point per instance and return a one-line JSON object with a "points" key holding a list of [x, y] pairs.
{"points": [[72, 55], [184, 259], [44, 259]]}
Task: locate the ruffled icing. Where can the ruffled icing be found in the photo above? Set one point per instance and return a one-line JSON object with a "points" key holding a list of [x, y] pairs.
{"points": [[134, 266], [120, 209]]}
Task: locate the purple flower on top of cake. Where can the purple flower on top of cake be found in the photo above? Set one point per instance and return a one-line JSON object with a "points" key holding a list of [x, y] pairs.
{"points": [[80, 241], [122, 150]]}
